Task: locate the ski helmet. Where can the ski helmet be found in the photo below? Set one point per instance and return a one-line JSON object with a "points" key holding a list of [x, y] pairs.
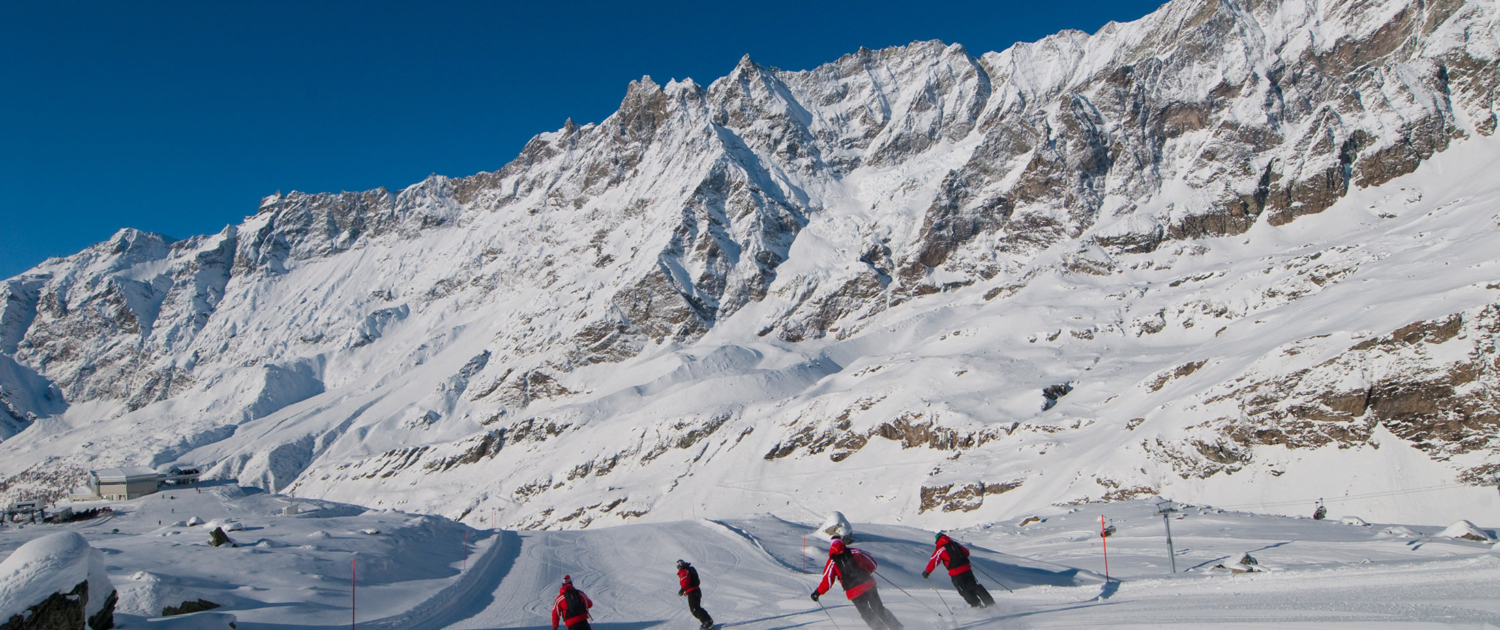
{"points": [[837, 547], [938, 536], [682, 563]]}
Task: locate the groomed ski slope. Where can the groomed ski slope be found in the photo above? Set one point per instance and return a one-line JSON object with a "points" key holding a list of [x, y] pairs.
{"points": [[752, 570], [429, 573], [1313, 574]]}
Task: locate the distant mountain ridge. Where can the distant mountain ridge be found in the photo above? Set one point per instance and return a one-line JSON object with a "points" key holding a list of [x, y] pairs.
{"points": [[901, 256]]}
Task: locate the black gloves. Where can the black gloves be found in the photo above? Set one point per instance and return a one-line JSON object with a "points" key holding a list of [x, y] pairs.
{"points": [[681, 592], [815, 596], [924, 575]]}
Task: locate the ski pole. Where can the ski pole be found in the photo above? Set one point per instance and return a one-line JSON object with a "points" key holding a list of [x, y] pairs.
{"points": [[940, 595], [913, 597], [830, 615], [987, 574]]}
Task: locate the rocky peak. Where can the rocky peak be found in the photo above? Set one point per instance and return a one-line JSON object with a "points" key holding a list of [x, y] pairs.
{"points": [[643, 110]]}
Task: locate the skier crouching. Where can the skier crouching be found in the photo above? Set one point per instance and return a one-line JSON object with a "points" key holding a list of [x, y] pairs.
{"points": [[855, 570], [956, 558], [688, 577], [572, 606]]}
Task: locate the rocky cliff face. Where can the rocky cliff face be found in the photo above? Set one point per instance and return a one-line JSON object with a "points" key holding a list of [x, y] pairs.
{"points": [[739, 262]]}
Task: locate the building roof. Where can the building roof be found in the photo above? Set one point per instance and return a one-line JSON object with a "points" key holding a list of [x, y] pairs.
{"points": [[126, 475]]}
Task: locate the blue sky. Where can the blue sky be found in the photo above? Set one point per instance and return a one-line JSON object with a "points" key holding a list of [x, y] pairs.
{"points": [[177, 117]]}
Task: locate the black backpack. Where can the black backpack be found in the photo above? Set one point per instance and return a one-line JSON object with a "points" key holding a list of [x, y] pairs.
{"points": [[575, 603], [850, 573], [957, 556]]}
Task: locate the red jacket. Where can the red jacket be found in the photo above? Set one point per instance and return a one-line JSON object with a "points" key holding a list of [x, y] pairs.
{"points": [[865, 582], [956, 563], [560, 607]]}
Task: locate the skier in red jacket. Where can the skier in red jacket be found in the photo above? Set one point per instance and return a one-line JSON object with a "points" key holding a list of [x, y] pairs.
{"points": [[572, 606], [687, 576], [956, 558], [855, 569]]}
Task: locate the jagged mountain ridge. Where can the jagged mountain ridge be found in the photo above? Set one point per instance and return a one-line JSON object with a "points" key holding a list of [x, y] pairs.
{"points": [[762, 227]]}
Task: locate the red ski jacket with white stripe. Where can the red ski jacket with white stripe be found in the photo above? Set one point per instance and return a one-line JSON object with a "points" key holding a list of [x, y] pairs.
{"points": [[853, 569], [560, 607], [951, 554]]}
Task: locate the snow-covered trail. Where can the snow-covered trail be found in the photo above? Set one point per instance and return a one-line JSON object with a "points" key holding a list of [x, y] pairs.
{"points": [[628, 572], [1455, 592], [1315, 574], [752, 572]]}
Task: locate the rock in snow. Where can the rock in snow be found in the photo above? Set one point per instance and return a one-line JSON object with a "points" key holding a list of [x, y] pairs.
{"points": [[835, 525], [1466, 531], [61, 573]]}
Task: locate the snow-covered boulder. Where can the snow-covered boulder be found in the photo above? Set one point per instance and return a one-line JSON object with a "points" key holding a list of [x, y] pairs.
{"points": [[1354, 520], [1466, 531], [194, 522], [1246, 564], [835, 525], [151, 598], [59, 577]]}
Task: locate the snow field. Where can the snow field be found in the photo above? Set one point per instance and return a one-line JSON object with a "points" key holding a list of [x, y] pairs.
{"points": [[415, 573], [287, 569]]}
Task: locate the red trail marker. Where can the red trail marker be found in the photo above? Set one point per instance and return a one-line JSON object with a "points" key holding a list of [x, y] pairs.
{"points": [[1104, 540]]}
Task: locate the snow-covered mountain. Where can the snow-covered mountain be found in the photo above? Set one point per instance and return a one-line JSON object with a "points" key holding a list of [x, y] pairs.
{"points": [[1236, 252]]}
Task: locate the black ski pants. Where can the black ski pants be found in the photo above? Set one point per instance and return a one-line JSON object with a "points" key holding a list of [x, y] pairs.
{"points": [[582, 625], [974, 595], [874, 612], [695, 606]]}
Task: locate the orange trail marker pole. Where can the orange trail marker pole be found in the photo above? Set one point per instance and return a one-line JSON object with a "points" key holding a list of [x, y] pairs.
{"points": [[1104, 540]]}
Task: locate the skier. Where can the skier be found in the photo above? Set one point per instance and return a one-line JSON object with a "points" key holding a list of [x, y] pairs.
{"points": [[688, 577], [956, 558], [855, 570], [572, 606]]}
